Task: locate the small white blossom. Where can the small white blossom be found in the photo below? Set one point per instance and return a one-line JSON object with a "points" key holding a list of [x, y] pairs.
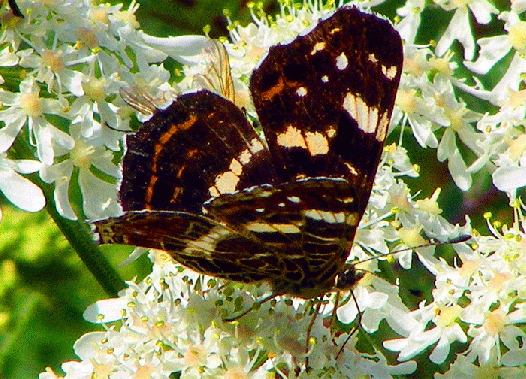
{"points": [[29, 108], [99, 197], [459, 27]]}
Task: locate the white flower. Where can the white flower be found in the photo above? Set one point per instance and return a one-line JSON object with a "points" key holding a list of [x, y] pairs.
{"points": [[173, 320], [444, 334], [28, 108], [99, 197], [493, 49], [459, 27], [50, 66]]}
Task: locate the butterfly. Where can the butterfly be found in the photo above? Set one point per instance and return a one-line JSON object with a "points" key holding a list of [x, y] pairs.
{"points": [[282, 206]]}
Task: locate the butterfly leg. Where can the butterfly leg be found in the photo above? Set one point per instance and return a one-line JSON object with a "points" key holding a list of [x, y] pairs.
{"points": [[247, 311], [358, 325], [309, 330]]}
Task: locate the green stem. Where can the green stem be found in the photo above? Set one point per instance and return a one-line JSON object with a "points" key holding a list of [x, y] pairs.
{"points": [[80, 238], [77, 232]]}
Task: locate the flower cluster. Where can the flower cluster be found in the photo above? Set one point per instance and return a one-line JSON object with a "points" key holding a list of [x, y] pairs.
{"points": [[74, 59], [172, 322]]}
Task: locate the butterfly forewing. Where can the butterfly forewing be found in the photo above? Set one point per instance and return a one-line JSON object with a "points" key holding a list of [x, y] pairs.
{"points": [[200, 147], [325, 99]]}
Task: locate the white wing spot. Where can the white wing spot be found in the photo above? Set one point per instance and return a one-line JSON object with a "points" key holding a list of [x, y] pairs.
{"points": [[351, 169], [324, 78], [371, 57], [348, 200], [383, 125], [293, 199], [342, 61], [255, 146], [366, 116], [302, 91], [207, 243], [339, 217], [319, 46], [226, 182], [287, 228], [313, 214], [245, 156], [389, 72], [292, 137], [259, 227], [328, 217], [317, 143], [236, 167], [265, 194], [213, 191]]}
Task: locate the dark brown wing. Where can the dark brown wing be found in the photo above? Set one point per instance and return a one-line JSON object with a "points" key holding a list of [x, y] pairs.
{"points": [[198, 242], [286, 234], [307, 228], [200, 147], [325, 100]]}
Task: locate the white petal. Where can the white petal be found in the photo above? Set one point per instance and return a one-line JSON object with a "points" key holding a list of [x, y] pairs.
{"points": [[21, 191], [86, 346], [184, 49], [459, 28], [508, 178], [78, 370], [52, 173], [9, 133], [347, 313], [104, 311], [514, 358], [61, 196], [99, 197], [482, 11], [492, 50], [441, 351], [458, 171], [26, 166]]}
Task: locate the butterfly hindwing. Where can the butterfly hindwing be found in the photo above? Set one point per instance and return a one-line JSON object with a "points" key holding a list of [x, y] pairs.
{"points": [[196, 241], [307, 227]]}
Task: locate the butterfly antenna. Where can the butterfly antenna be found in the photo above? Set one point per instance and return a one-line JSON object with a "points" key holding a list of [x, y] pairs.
{"points": [[119, 130], [459, 239], [432, 242]]}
